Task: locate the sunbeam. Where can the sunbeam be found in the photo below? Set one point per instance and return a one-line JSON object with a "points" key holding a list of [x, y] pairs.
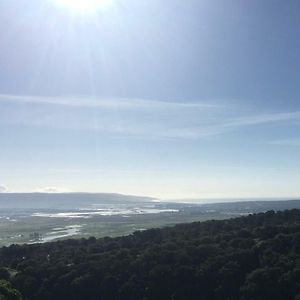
{"points": [[83, 6]]}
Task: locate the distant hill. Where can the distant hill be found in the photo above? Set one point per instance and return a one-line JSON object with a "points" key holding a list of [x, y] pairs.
{"points": [[252, 206], [63, 200], [66, 201], [248, 258]]}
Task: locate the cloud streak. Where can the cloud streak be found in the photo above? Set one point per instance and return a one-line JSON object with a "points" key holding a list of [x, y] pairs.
{"points": [[295, 142], [110, 103], [51, 190], [150, 119], [235, 123], [264, 119]]}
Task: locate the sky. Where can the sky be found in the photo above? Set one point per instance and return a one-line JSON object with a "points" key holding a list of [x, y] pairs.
{"points": [[172, 99]]}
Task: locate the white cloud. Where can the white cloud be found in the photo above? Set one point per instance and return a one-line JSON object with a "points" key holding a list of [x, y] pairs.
{"points": [[51, 189], [109, 103], [234, 123], [263, 119], [149, 119], [3, 188]]}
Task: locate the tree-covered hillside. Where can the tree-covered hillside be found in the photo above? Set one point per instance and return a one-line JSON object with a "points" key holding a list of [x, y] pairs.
{"points": [[250, 258]]}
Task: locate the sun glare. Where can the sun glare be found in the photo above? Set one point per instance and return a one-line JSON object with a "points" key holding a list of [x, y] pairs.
{"points": [[83, 6]]}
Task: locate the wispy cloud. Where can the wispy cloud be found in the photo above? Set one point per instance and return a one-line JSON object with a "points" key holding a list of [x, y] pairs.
{"points": [[51, 189], [263, 119], [234, 123], [286, 142], [151, 119], [258, 120], [111, 103]]}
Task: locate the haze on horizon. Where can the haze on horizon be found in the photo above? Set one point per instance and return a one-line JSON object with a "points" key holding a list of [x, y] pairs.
{"points": [[170, 99]]}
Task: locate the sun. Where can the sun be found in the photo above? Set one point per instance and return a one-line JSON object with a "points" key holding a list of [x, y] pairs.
{"points": [[83, 6]]}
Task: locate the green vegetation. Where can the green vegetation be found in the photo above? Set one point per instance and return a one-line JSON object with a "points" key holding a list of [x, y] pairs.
{"points": [[24, 229], [7, 292], [249, 258], [19, 226]]}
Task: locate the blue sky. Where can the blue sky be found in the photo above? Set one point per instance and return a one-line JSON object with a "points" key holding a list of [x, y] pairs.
{"points": [[172, 99]]}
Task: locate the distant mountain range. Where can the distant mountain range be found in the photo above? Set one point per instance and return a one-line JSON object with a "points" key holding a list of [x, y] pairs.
{"points": [[64, 200], [67, 201], [252, 206]]}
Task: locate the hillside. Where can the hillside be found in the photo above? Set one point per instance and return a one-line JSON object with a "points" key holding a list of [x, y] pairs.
{"points": [[249, 258], [63, 200]]}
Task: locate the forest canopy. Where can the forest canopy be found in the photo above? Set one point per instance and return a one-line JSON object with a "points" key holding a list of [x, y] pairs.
{"points": [[252, 257]]}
